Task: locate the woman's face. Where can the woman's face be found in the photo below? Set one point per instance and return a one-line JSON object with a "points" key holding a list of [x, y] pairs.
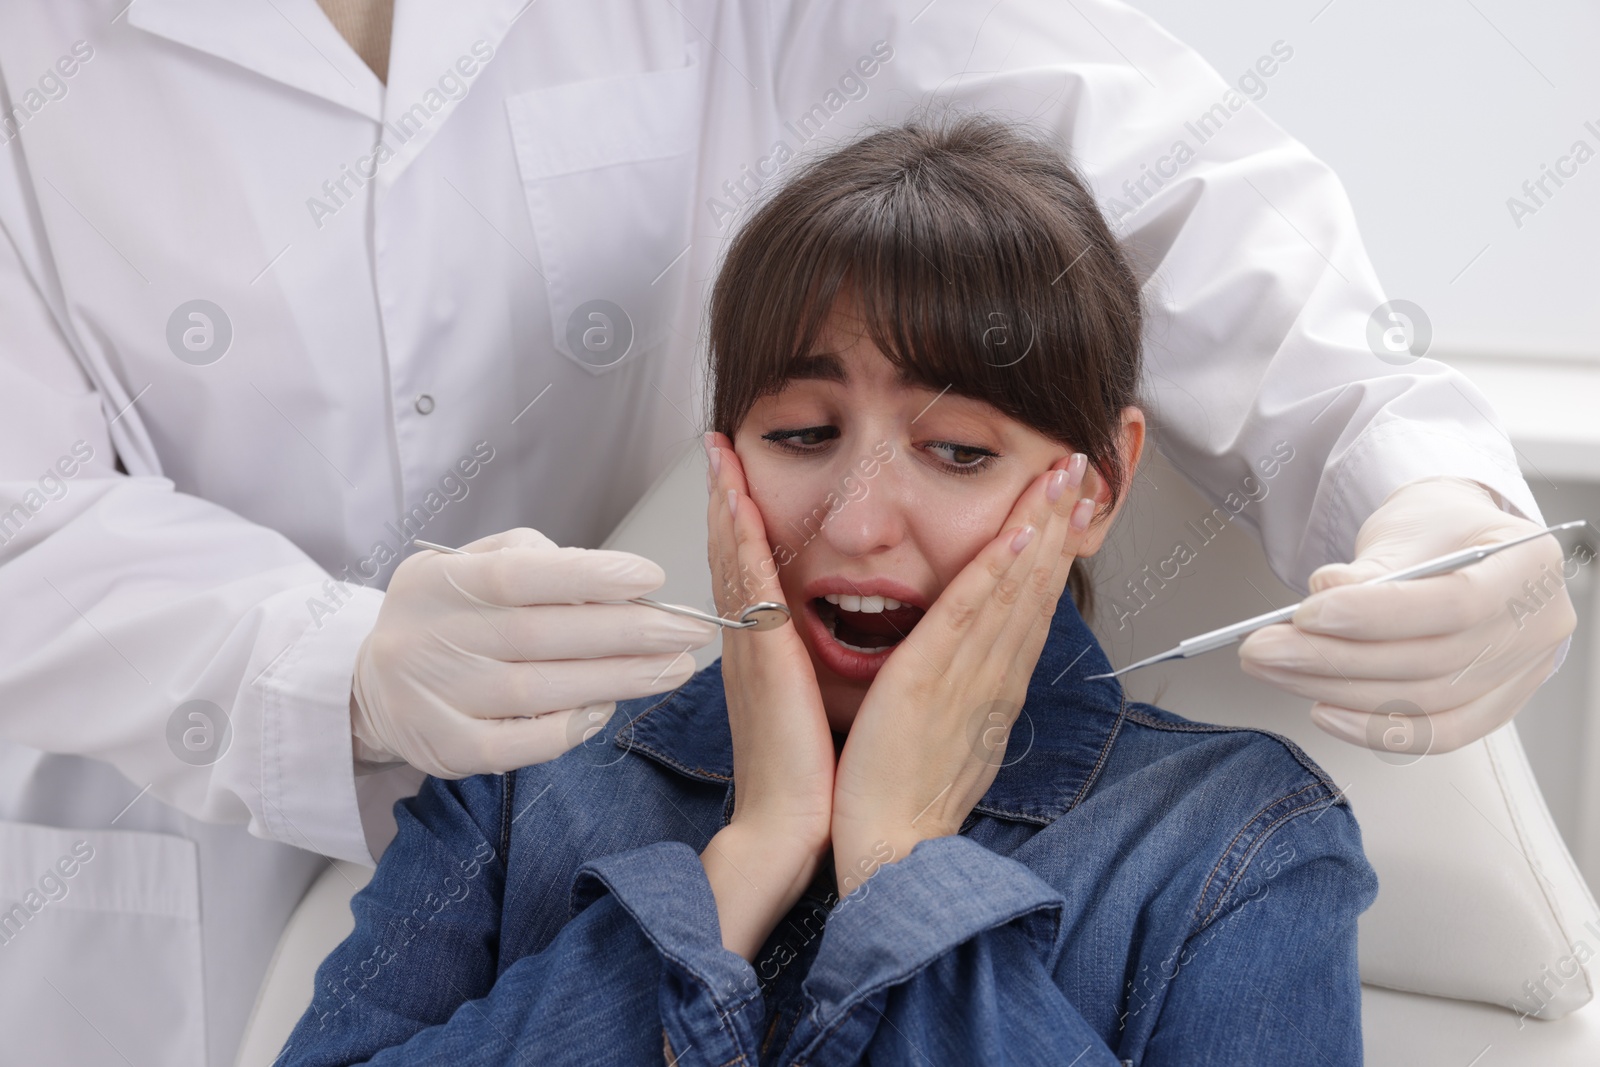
{"points": [[874, 488]]}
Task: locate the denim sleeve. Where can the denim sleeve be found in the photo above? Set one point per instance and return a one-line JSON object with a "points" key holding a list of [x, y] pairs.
{"points": [[710, 1004], [1271, 976], [949, 957], [943, 957], [640, 961], [432, 909]]}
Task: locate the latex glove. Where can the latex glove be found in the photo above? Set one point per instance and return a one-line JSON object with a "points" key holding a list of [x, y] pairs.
{"points": [[491, 661], [1430, 664]]}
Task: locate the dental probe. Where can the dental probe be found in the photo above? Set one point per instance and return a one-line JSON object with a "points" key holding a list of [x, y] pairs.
{"points": [[1227, 635], [765, 615]]}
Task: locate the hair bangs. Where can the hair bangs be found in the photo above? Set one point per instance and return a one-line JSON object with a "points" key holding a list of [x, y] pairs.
{"points": [[971, 254]]}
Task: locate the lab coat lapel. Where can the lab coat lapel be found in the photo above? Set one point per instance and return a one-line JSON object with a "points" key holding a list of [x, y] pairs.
{"points": [[289, 41], [428, 42]]}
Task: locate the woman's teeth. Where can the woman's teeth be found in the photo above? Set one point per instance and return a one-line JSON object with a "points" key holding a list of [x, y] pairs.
{"points": [[833, 607], [870, 604], [858, 648]]}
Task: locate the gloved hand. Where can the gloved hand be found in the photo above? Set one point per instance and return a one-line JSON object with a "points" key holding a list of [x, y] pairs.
{"points": [[1430, 664], [464, 645]]}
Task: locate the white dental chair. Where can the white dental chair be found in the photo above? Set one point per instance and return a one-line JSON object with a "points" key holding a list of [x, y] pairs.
{"points": [[1479, 905]]}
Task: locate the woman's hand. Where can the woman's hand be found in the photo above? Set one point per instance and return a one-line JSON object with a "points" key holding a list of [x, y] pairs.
{"points": [[932, 729], [761, 862]]}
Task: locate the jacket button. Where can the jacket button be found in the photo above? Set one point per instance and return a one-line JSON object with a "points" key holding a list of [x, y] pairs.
{"points": [[424, 404]]}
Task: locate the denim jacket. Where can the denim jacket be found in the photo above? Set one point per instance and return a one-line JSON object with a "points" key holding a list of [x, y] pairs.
{"points": [[1134, 888]]}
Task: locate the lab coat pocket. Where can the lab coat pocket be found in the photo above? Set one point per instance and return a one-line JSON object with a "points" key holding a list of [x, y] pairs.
{"points": [[100, 947], [608, 170]]}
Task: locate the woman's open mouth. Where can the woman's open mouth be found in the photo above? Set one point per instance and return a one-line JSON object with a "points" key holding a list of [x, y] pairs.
{"points": [[853, 635]]}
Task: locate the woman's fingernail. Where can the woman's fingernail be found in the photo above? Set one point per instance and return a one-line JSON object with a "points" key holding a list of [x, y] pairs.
{"points": [[705, 442], [1020, 541], [716, 461], [733, 501], [1081, 513], [1075, 468], [1055, 486]]}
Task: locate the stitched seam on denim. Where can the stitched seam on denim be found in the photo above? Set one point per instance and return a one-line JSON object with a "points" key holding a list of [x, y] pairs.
{"points": [[766, 1042], [660, 756], [1216, 728], [508, 790], [843, 1018], [1255, 850], [692, 772], [1019, 816], [725, 1016], [859, 997], [641, 717], [1223, 859], [1243, 830], [1256, 846], [1105, 754], [1083, 790]]}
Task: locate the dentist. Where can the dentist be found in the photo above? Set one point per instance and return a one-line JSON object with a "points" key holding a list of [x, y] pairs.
{"points": [[284, 286]]}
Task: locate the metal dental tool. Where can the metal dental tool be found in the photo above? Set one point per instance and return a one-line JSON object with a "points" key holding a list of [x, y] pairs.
{"points": [[1227, 635], [765, 615]]}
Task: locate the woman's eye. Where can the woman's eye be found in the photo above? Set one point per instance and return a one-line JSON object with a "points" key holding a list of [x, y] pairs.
{"points": [[963, 459], [955, 458], [803, 440]]}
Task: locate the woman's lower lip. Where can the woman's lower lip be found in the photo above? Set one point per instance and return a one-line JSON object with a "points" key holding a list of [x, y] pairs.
{"points": [[846, 663]]}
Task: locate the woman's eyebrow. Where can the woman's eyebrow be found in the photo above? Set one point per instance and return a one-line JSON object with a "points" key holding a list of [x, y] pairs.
{"points": [[827, 367], [819, 366]]}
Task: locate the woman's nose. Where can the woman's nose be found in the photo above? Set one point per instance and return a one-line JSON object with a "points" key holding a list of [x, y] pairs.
{"points": [[873, 513]]}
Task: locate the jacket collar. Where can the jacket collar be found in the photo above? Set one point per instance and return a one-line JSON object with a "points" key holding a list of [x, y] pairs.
{"points": [[292, 42], [1060, 741]]}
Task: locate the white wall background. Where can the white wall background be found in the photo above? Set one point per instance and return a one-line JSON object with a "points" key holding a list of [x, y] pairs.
{"points": [[1434, 112]]}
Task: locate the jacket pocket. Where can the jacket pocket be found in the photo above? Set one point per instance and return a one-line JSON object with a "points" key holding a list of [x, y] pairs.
{"points": [[608, 171], [100, 947]]}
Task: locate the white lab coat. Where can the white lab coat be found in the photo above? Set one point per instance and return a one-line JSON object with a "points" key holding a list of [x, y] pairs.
{"points": [[398, 321]]}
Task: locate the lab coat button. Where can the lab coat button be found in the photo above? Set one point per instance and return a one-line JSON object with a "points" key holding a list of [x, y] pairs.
{"points": [[424, 404]]}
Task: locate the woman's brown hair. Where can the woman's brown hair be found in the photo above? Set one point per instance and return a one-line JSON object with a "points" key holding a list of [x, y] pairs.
{"points": [[980, 264]]}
